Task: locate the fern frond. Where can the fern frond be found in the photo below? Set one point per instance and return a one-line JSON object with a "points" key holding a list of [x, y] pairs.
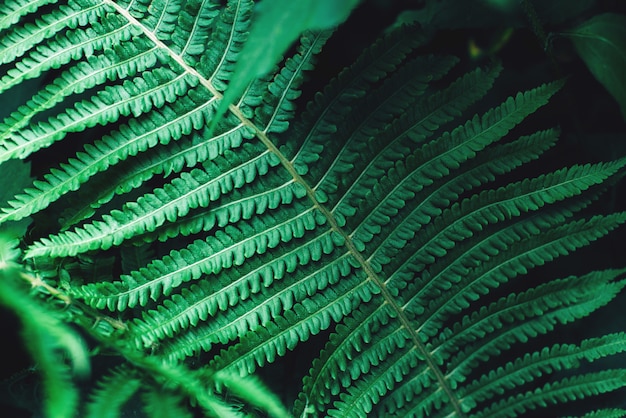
{"points": [[122, 145], [505, 203], [67, 16], [187, 151], [222, 251], [533, 366], [72, 45], [153, 89], [385, 222], [578, 387], [253, 392], [278, 100], [100, 157], [386, 349], [11, 11], [263, 340], [113, 391], [460, 145], [475, 173], [497, 260], [115, 63], [48, 340], [530, 304], [328, 110], [499, 205], [223, 46], [164, 404], [191, 190]]}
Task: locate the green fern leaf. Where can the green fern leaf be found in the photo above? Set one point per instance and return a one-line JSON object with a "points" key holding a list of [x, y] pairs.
{"points": [[385, 221], [46, 338], [210, 257], [164, 405], [113, 392], [578, 387], [550, 359], [23, 38], [542, 307], [12, 11], [195, 189]]}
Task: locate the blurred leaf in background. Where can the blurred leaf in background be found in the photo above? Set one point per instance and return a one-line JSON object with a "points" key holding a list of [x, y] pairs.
{"points": [[601, 43]]}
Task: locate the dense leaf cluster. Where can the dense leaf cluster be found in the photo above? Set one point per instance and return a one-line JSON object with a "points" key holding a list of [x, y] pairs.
{"points": [[199, 243]]}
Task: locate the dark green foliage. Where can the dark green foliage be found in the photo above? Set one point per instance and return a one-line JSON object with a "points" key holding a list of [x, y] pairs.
{"points": [[383, 234]]}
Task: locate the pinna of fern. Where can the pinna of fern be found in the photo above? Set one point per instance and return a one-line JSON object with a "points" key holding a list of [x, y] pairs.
{"points": [[376, 220]]}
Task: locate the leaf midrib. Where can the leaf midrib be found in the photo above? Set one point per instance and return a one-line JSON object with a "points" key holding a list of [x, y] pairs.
{"points": [[287, 164]]}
